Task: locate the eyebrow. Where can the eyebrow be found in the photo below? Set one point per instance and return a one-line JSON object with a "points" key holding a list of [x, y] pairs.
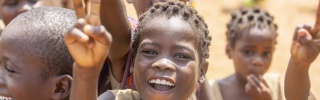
{"points": [[13, 62], [146, 43], [185, 48], [179, 46]]}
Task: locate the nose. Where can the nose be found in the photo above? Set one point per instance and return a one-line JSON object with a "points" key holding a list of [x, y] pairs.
{"points": [[258, 61], [163, 64]]}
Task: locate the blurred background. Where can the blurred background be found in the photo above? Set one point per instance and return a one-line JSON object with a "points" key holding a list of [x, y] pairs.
{"points": [[288, 14]]}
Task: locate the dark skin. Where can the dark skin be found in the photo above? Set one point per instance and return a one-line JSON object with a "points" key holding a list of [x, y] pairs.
{"points": [[21, 75], [177, 57], [304, 50], [168, 51], [89, 53], [252, 55], [115, 20], [11, 8], [142, 6]]}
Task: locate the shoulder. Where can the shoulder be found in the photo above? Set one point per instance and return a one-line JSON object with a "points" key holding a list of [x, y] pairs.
{"points": [[214, 84]]}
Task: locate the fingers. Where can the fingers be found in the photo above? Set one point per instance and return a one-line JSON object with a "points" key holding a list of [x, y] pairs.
{"points": [[93, 17], [98, 33], [304, 37], [257, 84], [76, 33], [317, 23], [79, 7], [307, 27], [253, 84]]}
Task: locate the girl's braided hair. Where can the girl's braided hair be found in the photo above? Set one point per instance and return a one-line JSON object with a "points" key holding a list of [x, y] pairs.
{"points": [[248, 18], [177, 9]]}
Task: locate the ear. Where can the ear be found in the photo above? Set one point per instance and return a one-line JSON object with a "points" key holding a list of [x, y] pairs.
{"points": [[62, 87], [203, 71], [129, 1], [228, 51]]}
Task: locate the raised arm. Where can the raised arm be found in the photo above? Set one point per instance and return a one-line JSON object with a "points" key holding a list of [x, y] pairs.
{"points": [[114, 18], [89, 44], [304, 50]]}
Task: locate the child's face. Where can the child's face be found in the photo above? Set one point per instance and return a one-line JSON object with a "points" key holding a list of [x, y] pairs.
{"points": [[252, 52], [20, 73], [167, 53], [142, 6], [11, 8]]}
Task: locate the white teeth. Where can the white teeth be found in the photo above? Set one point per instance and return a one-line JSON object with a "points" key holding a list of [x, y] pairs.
{"points": [[162, 82], [5, 98]]}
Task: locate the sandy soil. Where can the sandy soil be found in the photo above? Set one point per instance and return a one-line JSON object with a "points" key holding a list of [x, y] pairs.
{"points": [[288, 14]]}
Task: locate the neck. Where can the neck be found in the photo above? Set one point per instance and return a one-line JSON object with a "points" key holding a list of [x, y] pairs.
{"points": [[240, 80]]}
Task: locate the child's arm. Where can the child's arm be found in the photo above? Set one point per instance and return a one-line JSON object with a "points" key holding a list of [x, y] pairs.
{"points": [[88, 43], [304, 50], [114, 18]]}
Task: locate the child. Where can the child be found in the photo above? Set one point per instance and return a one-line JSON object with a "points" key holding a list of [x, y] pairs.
{"points": [[251, 39], [116, 72], [35, 62], [170, 45], [304, 50]]}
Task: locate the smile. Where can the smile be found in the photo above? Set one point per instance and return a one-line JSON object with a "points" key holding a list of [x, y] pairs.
{"points": [[161, 84], [5, 98]]}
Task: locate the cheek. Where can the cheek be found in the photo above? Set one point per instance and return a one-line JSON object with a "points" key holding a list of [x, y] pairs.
{"points": [[140, 67], [187, 77]]}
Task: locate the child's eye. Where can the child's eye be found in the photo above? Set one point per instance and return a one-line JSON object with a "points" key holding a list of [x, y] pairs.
{"points": [[8, 69], [151, 52], [180, 55], [248, 52], [267, 54]]}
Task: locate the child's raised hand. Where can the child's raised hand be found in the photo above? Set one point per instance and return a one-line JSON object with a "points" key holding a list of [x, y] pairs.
{"points": [[305, 45], [306, 42], [257, 88], [88, 41]]}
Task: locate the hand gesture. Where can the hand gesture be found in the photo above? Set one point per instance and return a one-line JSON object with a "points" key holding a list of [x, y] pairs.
{"points": [[305, 44], [88, 41], [257, 88]]}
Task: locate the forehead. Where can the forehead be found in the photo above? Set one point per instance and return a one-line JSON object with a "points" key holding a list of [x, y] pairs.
{"points": [[257, 36], [173, 27], [17, 49], [15, 53]]}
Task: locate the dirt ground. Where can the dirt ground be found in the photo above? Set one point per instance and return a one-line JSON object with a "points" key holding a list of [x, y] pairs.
{"points": [[288, 14]]}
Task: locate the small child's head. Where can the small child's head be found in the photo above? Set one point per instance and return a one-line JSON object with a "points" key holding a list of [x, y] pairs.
{"points": [[142, 6], [9, 9], [171, 44], [251, 39], [35, 63]]}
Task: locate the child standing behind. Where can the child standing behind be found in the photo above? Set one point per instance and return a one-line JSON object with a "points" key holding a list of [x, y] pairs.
{"points": [[251, 39]]}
